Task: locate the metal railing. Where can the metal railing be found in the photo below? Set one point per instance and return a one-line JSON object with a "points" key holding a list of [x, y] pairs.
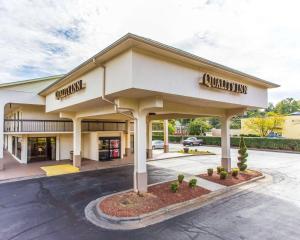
{"points": [[11, 125]]}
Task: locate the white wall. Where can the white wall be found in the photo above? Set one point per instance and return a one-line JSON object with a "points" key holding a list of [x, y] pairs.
{"points": [[90, 143], [154, 74], [35, 112], [119, 73], [66, 145], [93, 90]]}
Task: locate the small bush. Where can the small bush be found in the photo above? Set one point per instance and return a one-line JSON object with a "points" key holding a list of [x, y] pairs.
{"points": [[210, 171], [223, 175], [220, 169], [180, 178], [174, 187], [193, 183], [235, 172], [242, 166], [186, 150]]}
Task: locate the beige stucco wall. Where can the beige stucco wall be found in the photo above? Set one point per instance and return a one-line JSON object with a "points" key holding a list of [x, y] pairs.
{"points": [[139, 70], [119, 73], [291, 127], [155, 74], [93, 90], [66, 145], [35, 112], [90, 140]]}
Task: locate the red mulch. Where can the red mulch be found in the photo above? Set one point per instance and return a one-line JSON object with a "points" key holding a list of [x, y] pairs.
{"points": [[129, 204], [229, 181]]}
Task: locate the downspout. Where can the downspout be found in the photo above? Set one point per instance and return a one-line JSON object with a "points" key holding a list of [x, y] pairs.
{"points": [[117, 108]]}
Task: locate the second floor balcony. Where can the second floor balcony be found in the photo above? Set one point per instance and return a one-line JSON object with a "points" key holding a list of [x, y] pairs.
{"points": [[24, 126]]}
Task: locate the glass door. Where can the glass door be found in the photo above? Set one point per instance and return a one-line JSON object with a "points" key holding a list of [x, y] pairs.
{"points": [[109, 148], [115, 148], [103, 149], [41, 149]]}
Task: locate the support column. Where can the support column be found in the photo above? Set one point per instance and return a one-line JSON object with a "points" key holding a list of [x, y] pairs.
{"points": [[166, 136], [149, 140], [225, 143], [127, 140], [140, 167], [24, 147], [77, 142], [57, 148], [1, 135]]}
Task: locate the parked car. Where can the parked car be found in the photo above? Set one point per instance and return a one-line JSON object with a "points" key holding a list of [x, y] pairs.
{"points": [[157, 144], [192, 141]]}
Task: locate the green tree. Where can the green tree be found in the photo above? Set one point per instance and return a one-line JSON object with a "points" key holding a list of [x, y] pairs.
{"points": [[215, 122], [171, 126], [287, 106], [270, 108], [198, 126], [242, 158], [235, 123]]}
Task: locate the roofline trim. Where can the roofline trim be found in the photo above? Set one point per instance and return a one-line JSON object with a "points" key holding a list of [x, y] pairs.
{"points": [[164, 47], [15, 83]]}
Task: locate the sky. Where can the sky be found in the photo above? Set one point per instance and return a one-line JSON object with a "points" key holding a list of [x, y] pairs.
{"points": [[40, 38]]}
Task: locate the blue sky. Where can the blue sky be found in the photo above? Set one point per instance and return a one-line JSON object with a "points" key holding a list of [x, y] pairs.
{"points": [[41, 38]]}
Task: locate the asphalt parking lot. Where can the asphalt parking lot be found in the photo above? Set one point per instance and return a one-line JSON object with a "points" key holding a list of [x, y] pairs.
{"points": [[52, 208]]}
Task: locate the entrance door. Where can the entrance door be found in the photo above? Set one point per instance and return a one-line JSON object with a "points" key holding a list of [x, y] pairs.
{"points": [[41, 149], [109, 148]]}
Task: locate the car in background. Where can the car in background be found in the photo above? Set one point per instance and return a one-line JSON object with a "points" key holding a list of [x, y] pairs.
{"points": [[157, 144], [192, 141]]}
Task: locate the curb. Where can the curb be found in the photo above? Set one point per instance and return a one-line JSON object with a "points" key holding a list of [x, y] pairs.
{"points": [[94, 214], [184, 155]]}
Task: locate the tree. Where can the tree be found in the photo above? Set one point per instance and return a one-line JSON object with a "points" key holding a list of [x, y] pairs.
{"points": [[287, 106], [171, 126], [215, 122], [263, 126], [198, 126], [270, 108], [242, 159], [235, 123]]}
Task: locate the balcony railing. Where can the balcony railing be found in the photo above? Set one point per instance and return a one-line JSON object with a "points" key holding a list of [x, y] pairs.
{"points": [[11, 125]]}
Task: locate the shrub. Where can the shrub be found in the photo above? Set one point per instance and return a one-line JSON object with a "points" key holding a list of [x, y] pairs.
{"points": [[257, 142], [220, 169], [193, 183], [242, 159], [223, 175], [180, 178], [210, 171], [235, 172], [174, 187]]}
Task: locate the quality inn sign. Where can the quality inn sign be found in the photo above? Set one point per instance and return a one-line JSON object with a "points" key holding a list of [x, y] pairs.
{"points": [[213, 82], [69, 90]]}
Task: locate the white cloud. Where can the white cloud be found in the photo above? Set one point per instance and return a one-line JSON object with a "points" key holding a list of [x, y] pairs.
{"points": [[40, 38]]}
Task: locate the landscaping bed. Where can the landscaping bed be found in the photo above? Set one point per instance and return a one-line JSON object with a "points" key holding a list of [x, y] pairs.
{"points": [[231, 180], [130, 204]]}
